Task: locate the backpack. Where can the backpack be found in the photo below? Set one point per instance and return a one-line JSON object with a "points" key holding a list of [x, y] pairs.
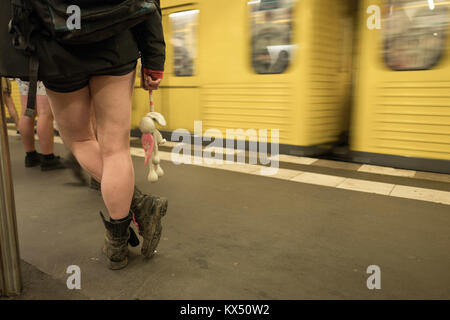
{"points": [[70, 22]]}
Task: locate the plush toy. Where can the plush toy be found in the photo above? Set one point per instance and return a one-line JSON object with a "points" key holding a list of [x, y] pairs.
{"points": [[151, 139]]}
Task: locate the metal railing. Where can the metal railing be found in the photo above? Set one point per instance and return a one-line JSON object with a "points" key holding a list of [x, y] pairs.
{"points": [[10, 275]]}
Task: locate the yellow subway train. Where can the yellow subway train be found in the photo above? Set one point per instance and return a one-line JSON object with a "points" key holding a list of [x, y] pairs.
{"points": [[255, 65], [378, 70]]}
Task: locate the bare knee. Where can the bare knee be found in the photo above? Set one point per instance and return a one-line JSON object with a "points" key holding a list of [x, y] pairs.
{"points": [[114, 142], [114, 150]]}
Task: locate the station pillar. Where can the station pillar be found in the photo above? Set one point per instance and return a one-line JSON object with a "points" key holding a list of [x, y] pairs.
{"points": [[10, 274]]}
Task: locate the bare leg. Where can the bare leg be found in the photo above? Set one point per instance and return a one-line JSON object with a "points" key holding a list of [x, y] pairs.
{"points": [[95, 184], [11, 109], [26, 127], [93, 121], [107, 160], [112, 105], [72, 114], [44, 125]]}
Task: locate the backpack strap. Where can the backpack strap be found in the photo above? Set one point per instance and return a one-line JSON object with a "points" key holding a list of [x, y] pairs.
{"points": [[20, 27], [32, 89], [21, 30]]}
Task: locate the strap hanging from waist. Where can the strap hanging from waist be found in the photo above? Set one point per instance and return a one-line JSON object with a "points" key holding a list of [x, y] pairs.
{"points": [[33, 78]]}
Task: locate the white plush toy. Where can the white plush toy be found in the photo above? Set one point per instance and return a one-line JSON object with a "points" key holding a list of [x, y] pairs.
{"points": [[151, 139]]}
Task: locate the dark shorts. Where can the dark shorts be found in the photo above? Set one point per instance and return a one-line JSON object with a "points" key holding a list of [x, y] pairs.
{"points": [[77, 82]]}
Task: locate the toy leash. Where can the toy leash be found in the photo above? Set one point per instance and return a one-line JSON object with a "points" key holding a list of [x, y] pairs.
{"points": [[147, 139], [154, 75], [152, 104]]}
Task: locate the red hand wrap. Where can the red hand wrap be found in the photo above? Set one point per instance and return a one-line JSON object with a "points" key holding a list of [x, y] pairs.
{"points": [[154, 74]]}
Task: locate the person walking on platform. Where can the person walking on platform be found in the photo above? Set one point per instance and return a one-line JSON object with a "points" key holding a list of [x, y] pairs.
{"points": [[47, 160], [78, 67], [8, 101]]}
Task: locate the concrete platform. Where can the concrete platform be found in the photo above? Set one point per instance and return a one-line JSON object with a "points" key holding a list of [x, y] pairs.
{"points": [[231, 235], [40, 286]]}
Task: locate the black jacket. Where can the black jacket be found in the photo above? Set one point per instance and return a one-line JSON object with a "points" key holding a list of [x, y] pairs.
{"points": [[57, 60]]}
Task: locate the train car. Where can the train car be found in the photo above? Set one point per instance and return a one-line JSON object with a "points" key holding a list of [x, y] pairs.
{"points": [[401, 115], [258, 64]]}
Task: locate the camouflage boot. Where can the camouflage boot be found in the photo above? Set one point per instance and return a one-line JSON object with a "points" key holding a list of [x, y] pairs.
{"points": [[147, 213], [116, 242]]}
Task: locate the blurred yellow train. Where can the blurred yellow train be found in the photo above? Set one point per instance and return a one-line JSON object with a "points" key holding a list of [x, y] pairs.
{"points": [[401, 111], [316, 70], [259, 65]]}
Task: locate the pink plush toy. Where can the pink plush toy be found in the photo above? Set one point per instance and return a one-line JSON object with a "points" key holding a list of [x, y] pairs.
{"points": [[147, 143]]}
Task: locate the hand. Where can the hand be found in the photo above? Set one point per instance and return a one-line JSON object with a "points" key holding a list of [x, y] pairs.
{"points": [[152, 78], [151, 84]]}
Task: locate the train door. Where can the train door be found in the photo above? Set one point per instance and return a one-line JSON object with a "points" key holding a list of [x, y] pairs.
{"points": [[402, 106], [178, 98]]}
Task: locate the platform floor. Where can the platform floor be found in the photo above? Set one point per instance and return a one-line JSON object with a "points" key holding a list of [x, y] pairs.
{"points": [[235, 235]]}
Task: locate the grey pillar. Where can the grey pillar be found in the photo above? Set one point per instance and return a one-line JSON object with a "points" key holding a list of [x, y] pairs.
{"points": [[10, 276]]}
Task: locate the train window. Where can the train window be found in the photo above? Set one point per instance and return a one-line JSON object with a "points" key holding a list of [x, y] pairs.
{"points": [[415, 33], [271, 35], [184, 41]]}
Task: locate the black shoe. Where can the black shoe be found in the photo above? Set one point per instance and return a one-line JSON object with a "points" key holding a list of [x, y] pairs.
{"points": [[32, 159], [52, 164]]}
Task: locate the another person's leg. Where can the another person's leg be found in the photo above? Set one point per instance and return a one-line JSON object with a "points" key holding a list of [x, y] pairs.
{"points": [[7, 99], [44, 126], [26, 129], [26, 126], [45, 132]]}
